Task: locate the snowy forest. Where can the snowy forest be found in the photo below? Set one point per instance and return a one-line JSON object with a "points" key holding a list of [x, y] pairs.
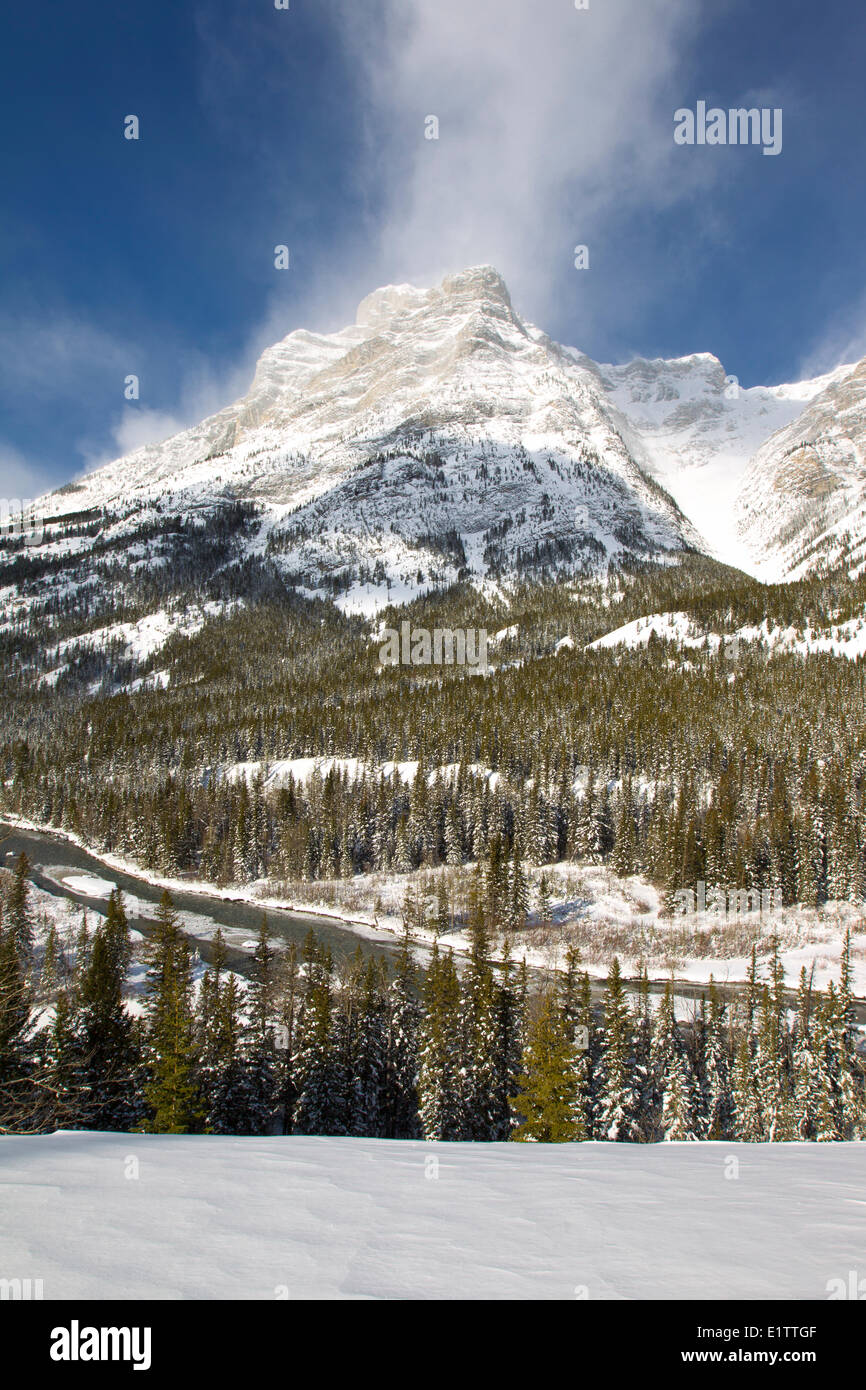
{"points": [[459, 1050], [745, 772], [740, 767]]}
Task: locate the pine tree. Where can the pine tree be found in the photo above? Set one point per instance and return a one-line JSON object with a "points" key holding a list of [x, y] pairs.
{"points": [[14, 1029], [544, 909], [547, 1095], [717, 1100], [508, 1047], [443, 911], [518, 894], [16, 915], [478, 1030], [587, 1062], [171, 1091], [678, 1119], [404, 1022], [320, 1053], [259, 1050], [54, 970], [367, 1101], [748, 1123], [224, 1074], [618, 1100], [104, 1029], [804, 1063], [439, 1074]]}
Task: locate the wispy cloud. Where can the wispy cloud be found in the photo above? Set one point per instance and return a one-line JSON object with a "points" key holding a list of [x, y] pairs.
{"points": [[844, 340], [20, 478], [552, 121]]}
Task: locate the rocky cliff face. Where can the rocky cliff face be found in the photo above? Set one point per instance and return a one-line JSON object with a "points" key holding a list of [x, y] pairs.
{"points": [[803, 498]]}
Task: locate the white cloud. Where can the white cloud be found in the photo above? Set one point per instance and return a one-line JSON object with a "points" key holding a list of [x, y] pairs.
{"points": [[20, 478], [202, 392], [553, 121]]}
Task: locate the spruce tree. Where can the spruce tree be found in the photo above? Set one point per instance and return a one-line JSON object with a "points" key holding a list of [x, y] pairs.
{"points": [[478, 1029], [403, 1027], [547, 1086], [103, 1028], [804, 1063], [17, 914], [440, 1091], [717, 1104], [14, 1030], [320, 1051], [259, 1050], [618, 1099], [369, 1074], [172, 1089]]}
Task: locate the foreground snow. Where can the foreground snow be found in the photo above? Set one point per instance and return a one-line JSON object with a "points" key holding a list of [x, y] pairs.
{"points": [[360, 1218]]}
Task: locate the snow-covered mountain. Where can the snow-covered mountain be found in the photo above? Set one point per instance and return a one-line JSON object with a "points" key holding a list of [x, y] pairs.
{"points": [[695, 429], [803, 498], [443, 436]]}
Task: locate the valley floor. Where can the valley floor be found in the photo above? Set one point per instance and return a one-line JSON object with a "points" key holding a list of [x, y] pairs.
{"points": [[100, 1216], [592, 908]]}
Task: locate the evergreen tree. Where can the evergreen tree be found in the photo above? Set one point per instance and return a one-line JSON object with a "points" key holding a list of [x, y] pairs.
{"points": [[103, 1028], [171, 1091], [804, 1063], [748, 1122], [16, 914], [260, 1050], [320, 1053], [547, 1096], [478, 1030], [717, 1104], [14, 1029], [508, 1047], [439, 1074], [618, 1100], [404, 1022], [369, 1073]]}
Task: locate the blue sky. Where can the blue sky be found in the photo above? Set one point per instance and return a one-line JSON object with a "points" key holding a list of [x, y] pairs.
{"points": [[306, 127]]}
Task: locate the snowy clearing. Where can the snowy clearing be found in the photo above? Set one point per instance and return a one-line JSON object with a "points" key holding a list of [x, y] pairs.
{"points": [[844, 639], [214, 1218]]}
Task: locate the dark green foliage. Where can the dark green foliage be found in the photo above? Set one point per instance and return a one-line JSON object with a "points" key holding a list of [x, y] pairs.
{"points": [[172, 1094]]}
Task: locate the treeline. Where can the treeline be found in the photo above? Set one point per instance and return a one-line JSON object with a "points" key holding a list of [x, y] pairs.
{"points": [[463, 1051], [794, 825]]}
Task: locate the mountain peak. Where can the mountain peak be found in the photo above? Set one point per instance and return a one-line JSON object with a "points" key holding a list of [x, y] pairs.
{"points": [[478, 281], [478, 284]]}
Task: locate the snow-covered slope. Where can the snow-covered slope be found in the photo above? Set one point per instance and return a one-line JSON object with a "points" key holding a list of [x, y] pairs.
{"points": [[439, 433], [694, 428], [443, 436], [139, 1217], [846, 639], [803, 498]]}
